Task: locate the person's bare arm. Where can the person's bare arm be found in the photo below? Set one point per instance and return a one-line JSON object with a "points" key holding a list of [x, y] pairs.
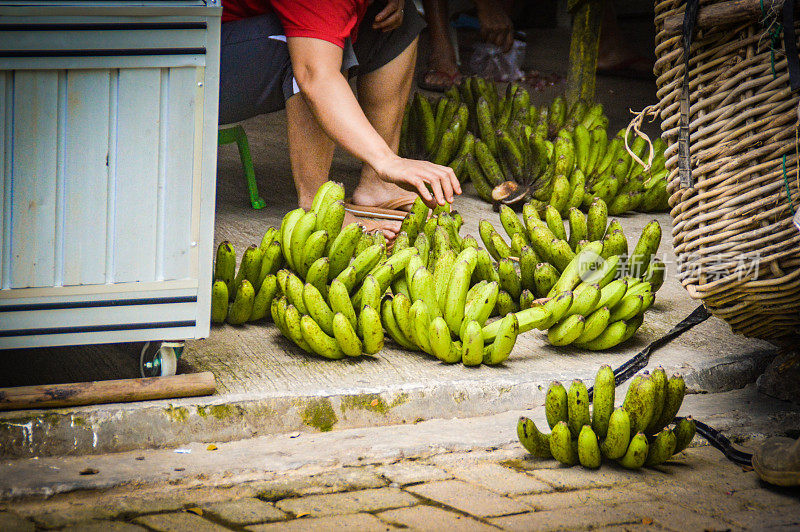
{"points": [[316, 65]]}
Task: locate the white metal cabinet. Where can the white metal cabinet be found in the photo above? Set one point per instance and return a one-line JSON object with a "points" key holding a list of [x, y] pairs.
{"points": [[108, 134]]}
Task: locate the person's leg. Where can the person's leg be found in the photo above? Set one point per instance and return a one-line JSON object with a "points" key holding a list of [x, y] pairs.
{"points": [[311, 155], [310, 150], [383, 94], [442, 69]]}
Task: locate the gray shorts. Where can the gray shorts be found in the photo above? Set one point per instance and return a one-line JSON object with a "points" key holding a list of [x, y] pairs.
{"points": [[256, 72]]}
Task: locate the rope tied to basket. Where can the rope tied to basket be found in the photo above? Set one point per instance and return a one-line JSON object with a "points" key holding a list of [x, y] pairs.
{"points": [[772, 31], [636, 125]]}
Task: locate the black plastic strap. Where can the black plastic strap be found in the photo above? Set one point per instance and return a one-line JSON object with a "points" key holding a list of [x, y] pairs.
{"points": [[790, 45], [722, 444], [638, 362]]}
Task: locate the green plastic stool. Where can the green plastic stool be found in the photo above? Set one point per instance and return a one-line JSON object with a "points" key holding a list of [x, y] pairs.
{"points": [[236, 134]]}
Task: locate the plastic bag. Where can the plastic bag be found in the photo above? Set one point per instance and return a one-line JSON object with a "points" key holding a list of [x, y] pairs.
{"points": [[488, 61]]}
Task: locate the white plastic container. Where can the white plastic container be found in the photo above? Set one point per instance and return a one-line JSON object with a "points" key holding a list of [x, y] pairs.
{"points": [[108, 137]]}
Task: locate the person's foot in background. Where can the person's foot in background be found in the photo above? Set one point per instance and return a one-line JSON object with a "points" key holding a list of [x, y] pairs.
{"points": [[495, 28]]}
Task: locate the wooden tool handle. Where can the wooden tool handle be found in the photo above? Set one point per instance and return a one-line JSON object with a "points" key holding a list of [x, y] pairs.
{"points": [[99, 392]]}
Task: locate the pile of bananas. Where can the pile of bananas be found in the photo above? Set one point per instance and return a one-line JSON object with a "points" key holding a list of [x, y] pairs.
{"points": [[634, 435], [234, 297], [597, 291], [513, 152], [442, 303]]}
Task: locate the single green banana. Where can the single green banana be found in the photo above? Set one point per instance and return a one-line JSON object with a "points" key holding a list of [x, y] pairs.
{"points": [[577, 407], [271, 260], [554, 222], [636, 454], [577, 227], [661, 448], [627, 308], [292, 319], [320, 342], [584, 299], [561, 445], [645, 248], [313, 249], [505, 304], [481, 308], [659, 380], [566, 331], [588, 448], [532, 440], [401, 307], [441, 343], [263, 300], [343, 247], [239, 311], [420, 325], [544, 278], [509, 278], [249, 268], [558, 307], [318, 275], [340, 302], [606, 273], [456, 297], [640, 405], [596, 220], [290, 219], [684, 433], [603, 400], [676, 389], [499, 350], [371, 330], [225, 266], [318, 308], [511, 222], [219, 301], [613, 335], [593, 326], [527, 269], [346, 336], [612, 293], [556, 406], [472, 347], [561, 254], [618, 436]]}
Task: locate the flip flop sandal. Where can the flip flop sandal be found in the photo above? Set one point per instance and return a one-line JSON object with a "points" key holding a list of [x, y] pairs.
{"points": [[453, 79], [777, 461], [388, 210]]}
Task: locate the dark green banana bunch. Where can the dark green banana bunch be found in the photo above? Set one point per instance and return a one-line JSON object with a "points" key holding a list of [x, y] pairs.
{"points": [[635, 434]]}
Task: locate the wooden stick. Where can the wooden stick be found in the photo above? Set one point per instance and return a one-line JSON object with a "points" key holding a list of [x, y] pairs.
{"points": [[725, 13], [99, 392]]}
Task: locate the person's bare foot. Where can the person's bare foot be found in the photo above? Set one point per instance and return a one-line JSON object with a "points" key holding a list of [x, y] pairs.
{"points": [[375, 193]]}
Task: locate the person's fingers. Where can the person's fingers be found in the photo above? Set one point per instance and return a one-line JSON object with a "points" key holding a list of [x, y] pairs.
{"points": [[390, 23], [455, 184], [447, 187], [423, 191], [386, 11], [436, 186]]}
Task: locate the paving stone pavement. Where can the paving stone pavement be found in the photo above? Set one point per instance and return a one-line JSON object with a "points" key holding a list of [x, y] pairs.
{"points": [[487, 489]]}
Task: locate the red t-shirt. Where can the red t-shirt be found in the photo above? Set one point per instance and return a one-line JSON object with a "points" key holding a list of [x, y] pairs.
{"points": [[329, 20]]}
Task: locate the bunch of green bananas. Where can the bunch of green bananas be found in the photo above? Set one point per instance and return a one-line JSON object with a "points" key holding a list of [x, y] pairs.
{"points": [[512, 151], [247, 295], [443, 301], [634, 435]]}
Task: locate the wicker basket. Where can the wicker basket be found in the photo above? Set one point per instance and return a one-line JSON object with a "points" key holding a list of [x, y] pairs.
{"points": [[738, 250]]}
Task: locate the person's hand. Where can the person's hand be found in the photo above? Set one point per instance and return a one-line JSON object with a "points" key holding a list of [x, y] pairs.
{"points": [[421, 177], [496, 26], [390, 16]]}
